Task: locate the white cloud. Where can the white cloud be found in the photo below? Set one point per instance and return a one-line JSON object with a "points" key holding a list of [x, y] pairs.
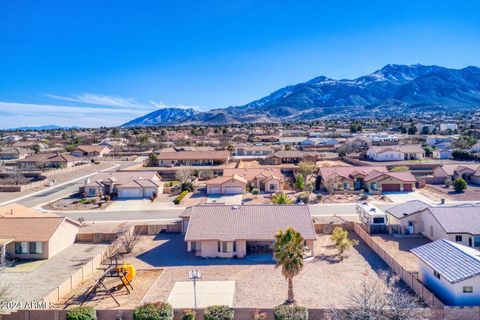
{"points": [[102, 100], [17, 114]]}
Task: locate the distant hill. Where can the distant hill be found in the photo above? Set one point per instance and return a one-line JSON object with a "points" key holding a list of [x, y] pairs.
{"points": [[164, 116], [46, 127], [392, 90]]}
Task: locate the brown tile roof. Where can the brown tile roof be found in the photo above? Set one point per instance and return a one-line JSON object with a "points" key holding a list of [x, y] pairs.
{"points": [[223, 179], [251, 173], [51, 157], [246, 222], [194, 155], [91, 148], [347, 172], [407, 148], [30, 228]]}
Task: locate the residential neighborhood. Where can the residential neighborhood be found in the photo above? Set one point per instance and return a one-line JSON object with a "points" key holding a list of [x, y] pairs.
{"points": [[240, 160], [216, 205]]}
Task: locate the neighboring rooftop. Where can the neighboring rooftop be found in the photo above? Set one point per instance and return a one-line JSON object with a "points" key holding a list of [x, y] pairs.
{"points": [[407, 208], [453, 261], [458, 219]]}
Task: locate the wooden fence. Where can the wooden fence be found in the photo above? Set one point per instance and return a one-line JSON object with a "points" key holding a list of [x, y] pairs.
{"points": [[439, 310]]}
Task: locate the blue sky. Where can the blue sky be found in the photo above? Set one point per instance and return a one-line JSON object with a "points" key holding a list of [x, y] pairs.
{"points": [[94, 63]]}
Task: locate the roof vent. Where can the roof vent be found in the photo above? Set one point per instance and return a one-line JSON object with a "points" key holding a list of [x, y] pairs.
{"points": [[235, 207]]}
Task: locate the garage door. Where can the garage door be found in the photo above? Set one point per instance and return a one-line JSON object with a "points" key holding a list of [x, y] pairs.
{"points": [[130, 193], [213, 190], [390, 187], [407, 187], [233, 190], [150, 191]]}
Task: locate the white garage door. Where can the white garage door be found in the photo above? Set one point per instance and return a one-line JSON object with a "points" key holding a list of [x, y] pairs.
{"points": [[130, 193], [149, 192], [213, 190], [233, 190]]}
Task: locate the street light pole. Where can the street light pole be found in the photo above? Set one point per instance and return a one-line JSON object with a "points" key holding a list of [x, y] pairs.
{"points": [[194, 275]]}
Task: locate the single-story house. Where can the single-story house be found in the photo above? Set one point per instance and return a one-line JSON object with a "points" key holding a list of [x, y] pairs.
{"points": [[27, 234], [31, 144], [442, 154], [235, 184], [50, 160], [451, 271], [227, 231], [252, 151], [90, 151], [11, 153], [193, 158], [406, 218], [396, 153], [263, 179], [383, 139], [123, 184], [470, 172], [460, 224], [373, 179]]}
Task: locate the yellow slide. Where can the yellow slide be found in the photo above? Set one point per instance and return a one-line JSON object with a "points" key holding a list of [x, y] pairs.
{"points": [[129, 270]]}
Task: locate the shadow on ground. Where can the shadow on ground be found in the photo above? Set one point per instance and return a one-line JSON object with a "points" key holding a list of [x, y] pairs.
{"points": [[171, 251]]}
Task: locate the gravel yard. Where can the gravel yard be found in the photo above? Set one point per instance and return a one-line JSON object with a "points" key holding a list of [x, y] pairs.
{"points": [[399, 248], [324, 282]]}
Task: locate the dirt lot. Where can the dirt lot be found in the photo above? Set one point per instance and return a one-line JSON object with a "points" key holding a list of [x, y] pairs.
{"points": [[471, 194], [324, 282], [102, 300], [399, 249]]}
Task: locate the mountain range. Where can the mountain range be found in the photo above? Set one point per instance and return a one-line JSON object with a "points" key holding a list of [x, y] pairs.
{"points": [[392, 90]]}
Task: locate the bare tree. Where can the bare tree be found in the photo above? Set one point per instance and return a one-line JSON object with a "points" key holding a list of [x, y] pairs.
{"points": [[184, 175], [127, 240], [5, 293], [380, 299]]}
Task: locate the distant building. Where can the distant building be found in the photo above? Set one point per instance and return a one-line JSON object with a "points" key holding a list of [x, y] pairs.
{"points": [[396, 153], [448, 126]]}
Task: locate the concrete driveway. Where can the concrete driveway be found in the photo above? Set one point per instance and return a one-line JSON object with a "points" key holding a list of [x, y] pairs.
{"points": [[140, 205], [401, 197], [225, 199]]}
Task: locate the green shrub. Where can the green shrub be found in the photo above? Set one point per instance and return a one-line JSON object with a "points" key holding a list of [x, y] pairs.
{"points": [[255, 191], [180, 197], [153, 311], [460, 185], [218, 313], [189, 315], [82, 313], [290, 312]]}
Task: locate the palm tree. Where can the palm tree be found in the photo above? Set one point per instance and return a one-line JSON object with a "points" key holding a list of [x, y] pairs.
{"points": [[281, 198], [288, 254]]}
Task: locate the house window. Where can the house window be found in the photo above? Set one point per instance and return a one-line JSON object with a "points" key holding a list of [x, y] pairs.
{"points": [[272, 186], [36, 247], [458, 238], [346, 185], [436, 274], [234, 246], [21, 247], [467, 289], [222, 247], [476, 241], [373, 186], [431, 231], [92, 192]]}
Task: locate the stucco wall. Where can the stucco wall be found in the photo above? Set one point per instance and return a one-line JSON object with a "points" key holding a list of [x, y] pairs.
{"points": [[62, 238]]}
